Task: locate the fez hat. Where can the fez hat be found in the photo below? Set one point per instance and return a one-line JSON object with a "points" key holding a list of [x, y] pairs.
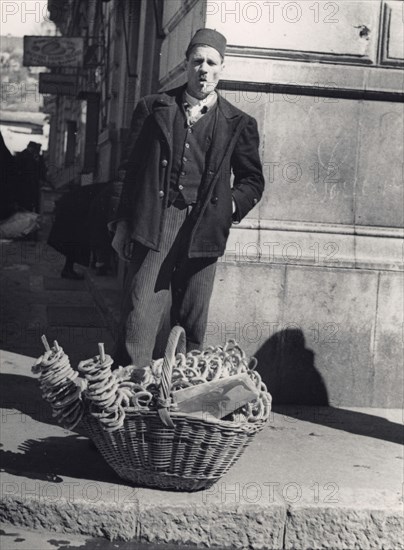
{"points": [[208, 37]]}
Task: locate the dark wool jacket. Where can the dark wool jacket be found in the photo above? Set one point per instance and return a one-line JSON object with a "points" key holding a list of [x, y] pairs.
{"points": [[143, 198]]}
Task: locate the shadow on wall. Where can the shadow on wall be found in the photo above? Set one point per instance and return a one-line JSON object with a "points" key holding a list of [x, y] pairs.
{"points": [[287, 368]]}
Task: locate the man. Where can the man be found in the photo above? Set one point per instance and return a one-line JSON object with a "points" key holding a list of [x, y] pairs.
{"points": [[177, 204]]}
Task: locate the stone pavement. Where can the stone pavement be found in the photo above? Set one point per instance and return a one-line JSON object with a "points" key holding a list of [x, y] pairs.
{"points": [[35, 300], [314, 478]]}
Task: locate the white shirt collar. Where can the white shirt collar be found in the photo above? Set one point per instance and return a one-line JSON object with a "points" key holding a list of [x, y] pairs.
{"points": [[209, 100]]}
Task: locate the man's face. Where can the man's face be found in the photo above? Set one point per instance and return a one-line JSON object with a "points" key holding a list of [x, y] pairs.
{"points": [[204, 67]]}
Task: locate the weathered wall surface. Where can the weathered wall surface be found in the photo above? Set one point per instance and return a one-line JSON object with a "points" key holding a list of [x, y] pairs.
{"points": [[312, 280]]}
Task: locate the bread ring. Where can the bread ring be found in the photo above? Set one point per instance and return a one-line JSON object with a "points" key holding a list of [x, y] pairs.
{"points": [[142, 399], [104, 385], [59, 393], [180, 360], [71, 425], [214, 373], [55, 373], [64, 377], [57, 382], [71, 414], [255, 377], [110, 418], [51, 356], [266, 401], [119, 422], [88, 365], [98, 375], [107, 361], [191, 372], [130, 385], [122, 399], [69, 411], [106, 401], [157, 366], [192, 362], [48, 371], [67, 400], [104, 395], [180, 384], [126, 391]]}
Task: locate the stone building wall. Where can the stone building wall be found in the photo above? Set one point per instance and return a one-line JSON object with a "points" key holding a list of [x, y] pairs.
{"points": [[312, 279]]}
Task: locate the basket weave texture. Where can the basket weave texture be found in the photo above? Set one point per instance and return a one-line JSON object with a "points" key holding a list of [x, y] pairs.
{"points": [[191, 455]]}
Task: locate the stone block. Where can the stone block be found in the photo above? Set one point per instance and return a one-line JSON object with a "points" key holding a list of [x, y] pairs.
{"points": [[335, 28], [342, 529], [80, 516], [223, 525], [243, 246], [323, 352], [385, 80], [380, 189], [256, 70], [306, 247], [393, 35], [380, 251], [319, 75], [388, 345], [246, 304], [309, 159]]}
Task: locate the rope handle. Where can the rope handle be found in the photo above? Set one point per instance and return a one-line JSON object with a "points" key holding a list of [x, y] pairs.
{"points": [[176, 344]]}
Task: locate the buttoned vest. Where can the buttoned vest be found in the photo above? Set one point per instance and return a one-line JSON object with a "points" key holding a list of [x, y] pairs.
{"points": [[190, 146]]}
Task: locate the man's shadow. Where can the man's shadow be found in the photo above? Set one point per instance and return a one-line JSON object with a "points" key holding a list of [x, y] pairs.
{"points": [[287, 368], [298, 390]]}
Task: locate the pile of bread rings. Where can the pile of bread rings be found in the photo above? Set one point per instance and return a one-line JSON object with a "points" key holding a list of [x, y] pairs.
{"points": [[197, 367], [57, 382], [108, 394], [102, 391]]}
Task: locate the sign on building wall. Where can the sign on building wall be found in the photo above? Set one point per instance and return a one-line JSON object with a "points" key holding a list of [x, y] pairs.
{"points": [[53, 51], [58, 84]]}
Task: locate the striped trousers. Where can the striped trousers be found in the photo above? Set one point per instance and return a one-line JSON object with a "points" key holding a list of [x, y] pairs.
{"points": [[164, 285]]}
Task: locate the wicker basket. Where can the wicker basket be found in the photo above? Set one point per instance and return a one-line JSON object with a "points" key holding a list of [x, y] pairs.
{"points": [[191, 455]]}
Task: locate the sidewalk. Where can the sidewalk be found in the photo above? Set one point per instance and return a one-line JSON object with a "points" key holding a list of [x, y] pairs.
{"points": [[309, 480], [314, 478]]}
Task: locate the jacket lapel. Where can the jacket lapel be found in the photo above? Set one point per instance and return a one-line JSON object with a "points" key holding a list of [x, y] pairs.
{"points": [[164, 109], [227, 122]]}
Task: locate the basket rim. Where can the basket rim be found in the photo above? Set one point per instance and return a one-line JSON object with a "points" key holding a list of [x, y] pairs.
{"points": [[132, 412]]}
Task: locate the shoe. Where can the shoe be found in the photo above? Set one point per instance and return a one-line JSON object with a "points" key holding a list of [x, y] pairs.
{"points": [[73, 275]]}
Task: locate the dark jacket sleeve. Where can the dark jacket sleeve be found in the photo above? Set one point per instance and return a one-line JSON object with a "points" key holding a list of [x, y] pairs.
{"points": [[249, 182], [122, 190]]}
